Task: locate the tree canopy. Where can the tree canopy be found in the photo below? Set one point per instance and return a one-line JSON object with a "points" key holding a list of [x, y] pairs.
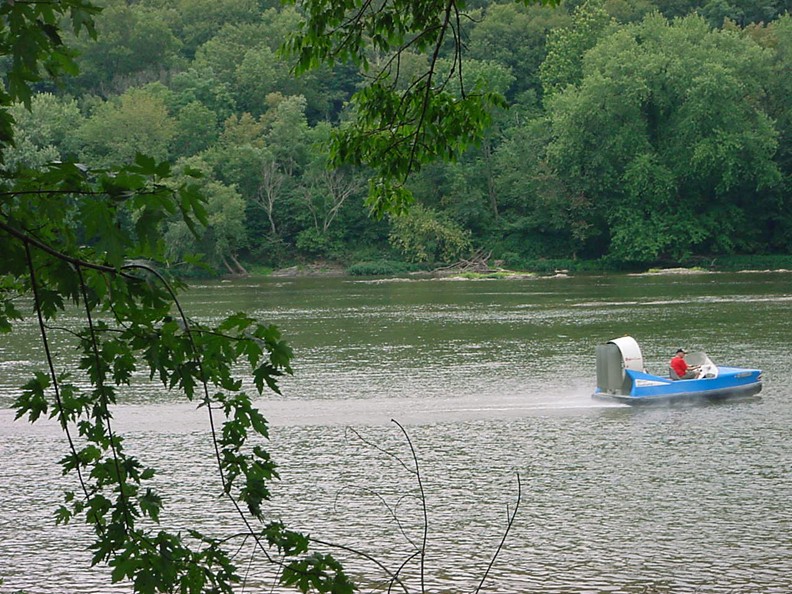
{"points": [[425, 101], [666, 134]]}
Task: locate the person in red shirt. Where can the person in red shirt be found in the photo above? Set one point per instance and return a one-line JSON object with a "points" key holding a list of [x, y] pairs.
{"points": [[679, 369]]}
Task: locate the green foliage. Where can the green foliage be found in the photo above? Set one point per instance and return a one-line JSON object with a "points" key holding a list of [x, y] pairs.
{"points": [[317, 244], [424, 235], [566, 47], [396, 134], [566, 265], [221, 55], [744, 12], [513, 35], [134, 43], [137, 121], [30, 38], [399, 126], [42, 133], [30, 35], [201, 85], [196, 130], [666, 134], [200, 20], [223, 235], [169, 80], [317, 572]]}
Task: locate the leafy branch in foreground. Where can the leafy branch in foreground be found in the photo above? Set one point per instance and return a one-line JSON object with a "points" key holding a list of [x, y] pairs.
{"points": [[399, 125], [30, 34], [80, 245]]}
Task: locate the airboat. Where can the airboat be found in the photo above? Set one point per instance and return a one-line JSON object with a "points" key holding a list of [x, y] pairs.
{"points": [[622, 377]]}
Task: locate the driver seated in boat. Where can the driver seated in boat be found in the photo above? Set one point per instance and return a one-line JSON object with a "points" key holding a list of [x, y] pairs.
{"points": [[679, 369]]}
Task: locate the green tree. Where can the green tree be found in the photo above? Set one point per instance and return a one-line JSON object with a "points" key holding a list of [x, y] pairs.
{"points": [[288, 132], [677, 8], [468, 195], [743, 12], [197, 129], [666, 134], [31, 49], [223, 236], [324, 190], [222, 53], [424, 235], [630, 11], [514, 35], [42, 134], [135, 45], [136, 122], [540, 216], [200, 20], [566, 47], [200, 85], [237, 157], [261, 73], [777, 38]]}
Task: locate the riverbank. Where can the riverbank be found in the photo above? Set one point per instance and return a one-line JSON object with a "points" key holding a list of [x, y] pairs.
{"points": [[541, 267]]}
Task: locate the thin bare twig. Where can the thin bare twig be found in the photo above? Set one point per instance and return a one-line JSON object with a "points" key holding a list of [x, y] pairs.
{"points": [[402, 566], [425, 538], [509, 524], [382, 450], [391, 510], [393, 576]]}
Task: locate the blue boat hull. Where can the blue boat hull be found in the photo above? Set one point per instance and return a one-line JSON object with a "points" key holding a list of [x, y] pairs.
{"points": [[644, 388]]}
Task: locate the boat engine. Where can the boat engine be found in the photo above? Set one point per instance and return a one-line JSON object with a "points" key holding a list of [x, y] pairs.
{"points": [[613, 358]]}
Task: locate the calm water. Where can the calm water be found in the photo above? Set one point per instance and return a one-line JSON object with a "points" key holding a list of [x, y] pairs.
{"points": [[491, 379]]}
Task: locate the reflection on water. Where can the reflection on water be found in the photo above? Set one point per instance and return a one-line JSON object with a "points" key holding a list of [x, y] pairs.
{"points": [[491, 380]]}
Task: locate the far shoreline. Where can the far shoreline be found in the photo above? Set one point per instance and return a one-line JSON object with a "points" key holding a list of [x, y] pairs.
{"points": [[331, 270]]}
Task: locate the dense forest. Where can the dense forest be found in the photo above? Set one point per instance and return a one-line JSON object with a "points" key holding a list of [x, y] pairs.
{"points": [[632, 131]]}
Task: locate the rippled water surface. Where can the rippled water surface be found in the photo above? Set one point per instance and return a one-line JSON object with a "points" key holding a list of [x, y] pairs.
{"points": [[491, 380]]}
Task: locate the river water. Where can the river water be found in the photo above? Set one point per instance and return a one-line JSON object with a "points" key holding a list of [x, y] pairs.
{"points": [[491, 381]]}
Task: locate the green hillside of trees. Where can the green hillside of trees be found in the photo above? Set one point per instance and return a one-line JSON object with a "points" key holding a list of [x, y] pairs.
{"points": [[634, 131]]}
